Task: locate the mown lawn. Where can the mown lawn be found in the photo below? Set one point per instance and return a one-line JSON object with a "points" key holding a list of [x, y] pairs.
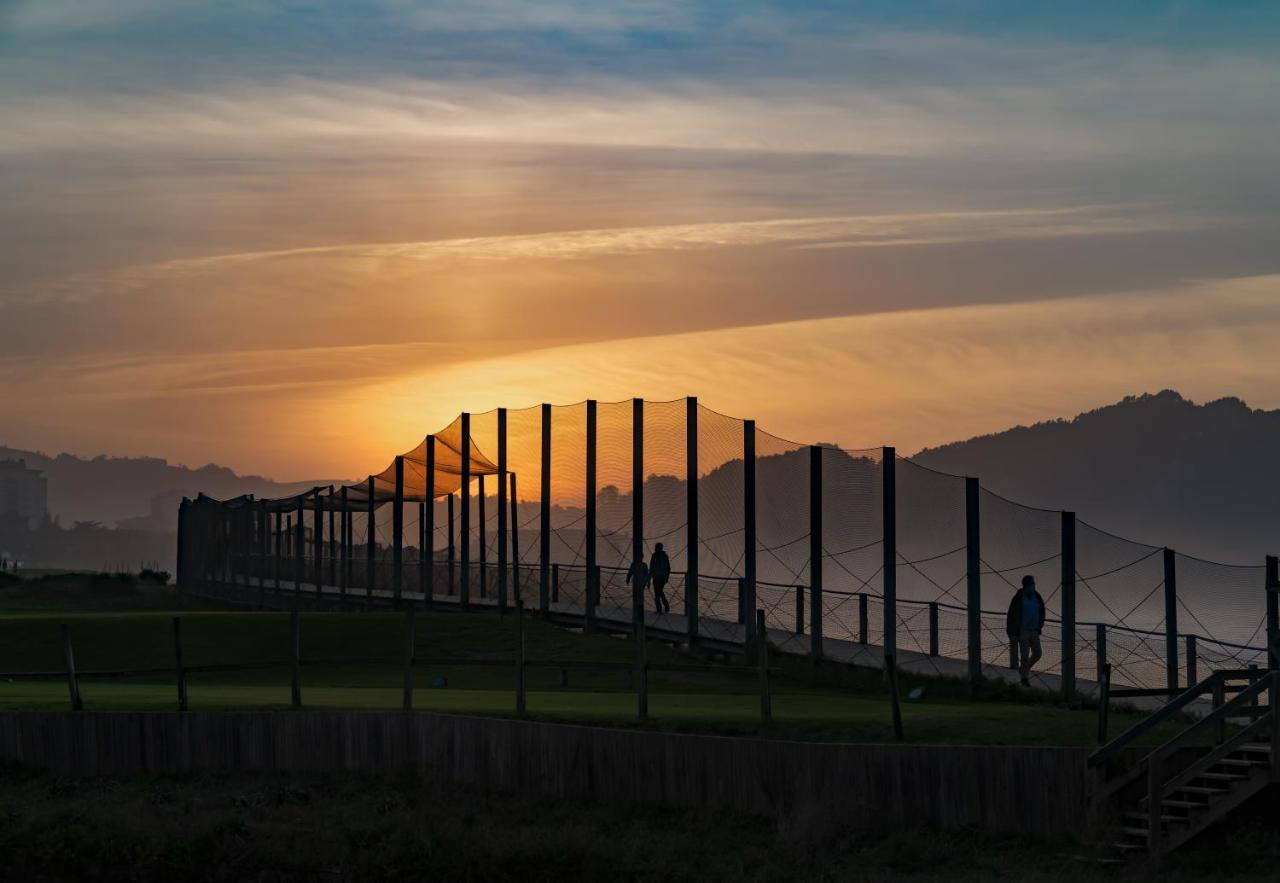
{"points": [[372, 645]]}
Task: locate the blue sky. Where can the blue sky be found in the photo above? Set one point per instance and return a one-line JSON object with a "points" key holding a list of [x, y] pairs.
{"points": [[224, 211]]}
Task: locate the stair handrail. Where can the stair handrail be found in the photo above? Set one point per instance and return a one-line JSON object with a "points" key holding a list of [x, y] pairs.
{"points": [[1213, 718], [1182, 700]]}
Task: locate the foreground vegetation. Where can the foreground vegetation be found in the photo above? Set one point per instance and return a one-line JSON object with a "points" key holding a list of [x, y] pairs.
{"points": [[358, 827]]}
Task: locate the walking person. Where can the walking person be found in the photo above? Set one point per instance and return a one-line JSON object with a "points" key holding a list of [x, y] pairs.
{"points": [[638, 578], [660, 572], [1024, 622]]}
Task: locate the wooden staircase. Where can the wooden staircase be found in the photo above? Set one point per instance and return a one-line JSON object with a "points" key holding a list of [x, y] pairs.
{"points": [[1145, 807]]}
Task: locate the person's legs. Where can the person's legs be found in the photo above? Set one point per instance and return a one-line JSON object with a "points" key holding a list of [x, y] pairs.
{"points": [[1024, 656], [1034, 641], [660, 598]]}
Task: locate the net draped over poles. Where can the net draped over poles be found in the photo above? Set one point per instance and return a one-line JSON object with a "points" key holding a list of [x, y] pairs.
{"points": [[539, 504]]}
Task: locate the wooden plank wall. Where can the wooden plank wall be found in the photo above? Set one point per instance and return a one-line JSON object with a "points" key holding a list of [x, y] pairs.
{"points": [[998, 789]]}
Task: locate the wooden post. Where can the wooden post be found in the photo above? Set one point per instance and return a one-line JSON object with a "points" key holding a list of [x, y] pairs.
{"points": [[693, 547], [1192, 674], [642, 666], [482, 538], [1100, 648], [317, 545], [973, 575], [1219, 699], [502, 511], [891, 671], [864, 618], [749, 527], [1104, 702], [933, 628], [520, 696], [515, 541], [397, 536], [300, 549], [452, 548], [1273, 699], [762, 664], [345, 551], [799, 610], [816, 553], [73, 683], [1155, 800], [295, 691], [742, 604], [593, 588], [371, 547], [555, 583], [889, 528], [544, 536], [637, 509], [424, 550], [464, 571], [178, 666], [1273, 611], [278, 552], [408, 660], [1171, 618], [429, 491], [1068, 605], [333, 542]]}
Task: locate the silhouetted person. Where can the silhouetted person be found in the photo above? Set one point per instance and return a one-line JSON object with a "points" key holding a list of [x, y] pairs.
{"points": [[638, 577], [1024, 622], [660, 572]]}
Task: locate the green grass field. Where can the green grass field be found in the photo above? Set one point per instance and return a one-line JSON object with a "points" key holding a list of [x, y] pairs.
{"points": [[842, 705]]}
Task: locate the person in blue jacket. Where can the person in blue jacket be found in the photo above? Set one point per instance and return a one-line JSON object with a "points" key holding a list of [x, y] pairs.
{"points": [[1024, 622]]}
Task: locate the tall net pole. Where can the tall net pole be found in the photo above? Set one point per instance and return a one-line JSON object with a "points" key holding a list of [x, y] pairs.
{"points": [[749, 529], [1069, 604], [593, 441], [544, 535], [429, 547], [889, 527], [397, 536], [973, 575], [464, 590], [1171, 618], [502, 509], [371, 547], [815, 553], [637, 506]]}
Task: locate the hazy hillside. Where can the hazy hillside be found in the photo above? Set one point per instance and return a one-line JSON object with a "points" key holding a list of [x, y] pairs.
{"points": [[114, 489], [1204, 479]]}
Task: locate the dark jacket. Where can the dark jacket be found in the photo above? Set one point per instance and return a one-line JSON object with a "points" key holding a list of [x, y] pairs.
{"points": [[660, 567], [1013, 619]]}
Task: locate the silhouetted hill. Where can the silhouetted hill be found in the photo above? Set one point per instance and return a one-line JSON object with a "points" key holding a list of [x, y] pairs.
{"points": [[1204, 479], [115, 489]]}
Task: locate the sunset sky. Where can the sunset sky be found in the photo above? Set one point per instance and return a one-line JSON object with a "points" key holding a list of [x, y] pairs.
{"points": [[292, 237]]}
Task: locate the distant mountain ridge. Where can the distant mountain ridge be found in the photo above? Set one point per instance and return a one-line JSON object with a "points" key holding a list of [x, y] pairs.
{"points": [[1159, 468], [112, 490]]}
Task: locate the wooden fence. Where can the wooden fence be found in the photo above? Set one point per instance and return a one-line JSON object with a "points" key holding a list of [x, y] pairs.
{"points": [[998, 789]]}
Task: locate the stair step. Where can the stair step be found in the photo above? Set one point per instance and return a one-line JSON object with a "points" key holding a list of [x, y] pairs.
{"points": [[1234, 761], [1222, 777], [1256, 748], [1200, 789], [1129, 847], [1142, 817], [1136, 832], [1185, 804]]}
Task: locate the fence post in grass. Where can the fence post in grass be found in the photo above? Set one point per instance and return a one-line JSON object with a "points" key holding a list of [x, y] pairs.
{"points": [[864, 618], [1273, 611], [544, 512], [429, 513], [177, 658], [762, 663], [589, 540], [742, 603], [799, 610], [815, 553], [464, 523], [397, 535], [749, 528], [642, 666], [515, 542], [371, 547], [889, 546], [73, 683], [1192, 675], [891, 671], [317, 545], [424, 558], [277, 554], [408, 660], [482, 539], [1068, 605], [555, 582], [933, 628], [333, 540], [692, 545], [1100, 648], [973, 575], [295, 628], [344, 551], [1104, 702], [502, 511], [451, 554], [520, 697], [1171, 618]]}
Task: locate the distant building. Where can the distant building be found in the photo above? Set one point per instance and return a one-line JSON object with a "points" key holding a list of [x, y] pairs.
{"points": [[23, 491]]}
